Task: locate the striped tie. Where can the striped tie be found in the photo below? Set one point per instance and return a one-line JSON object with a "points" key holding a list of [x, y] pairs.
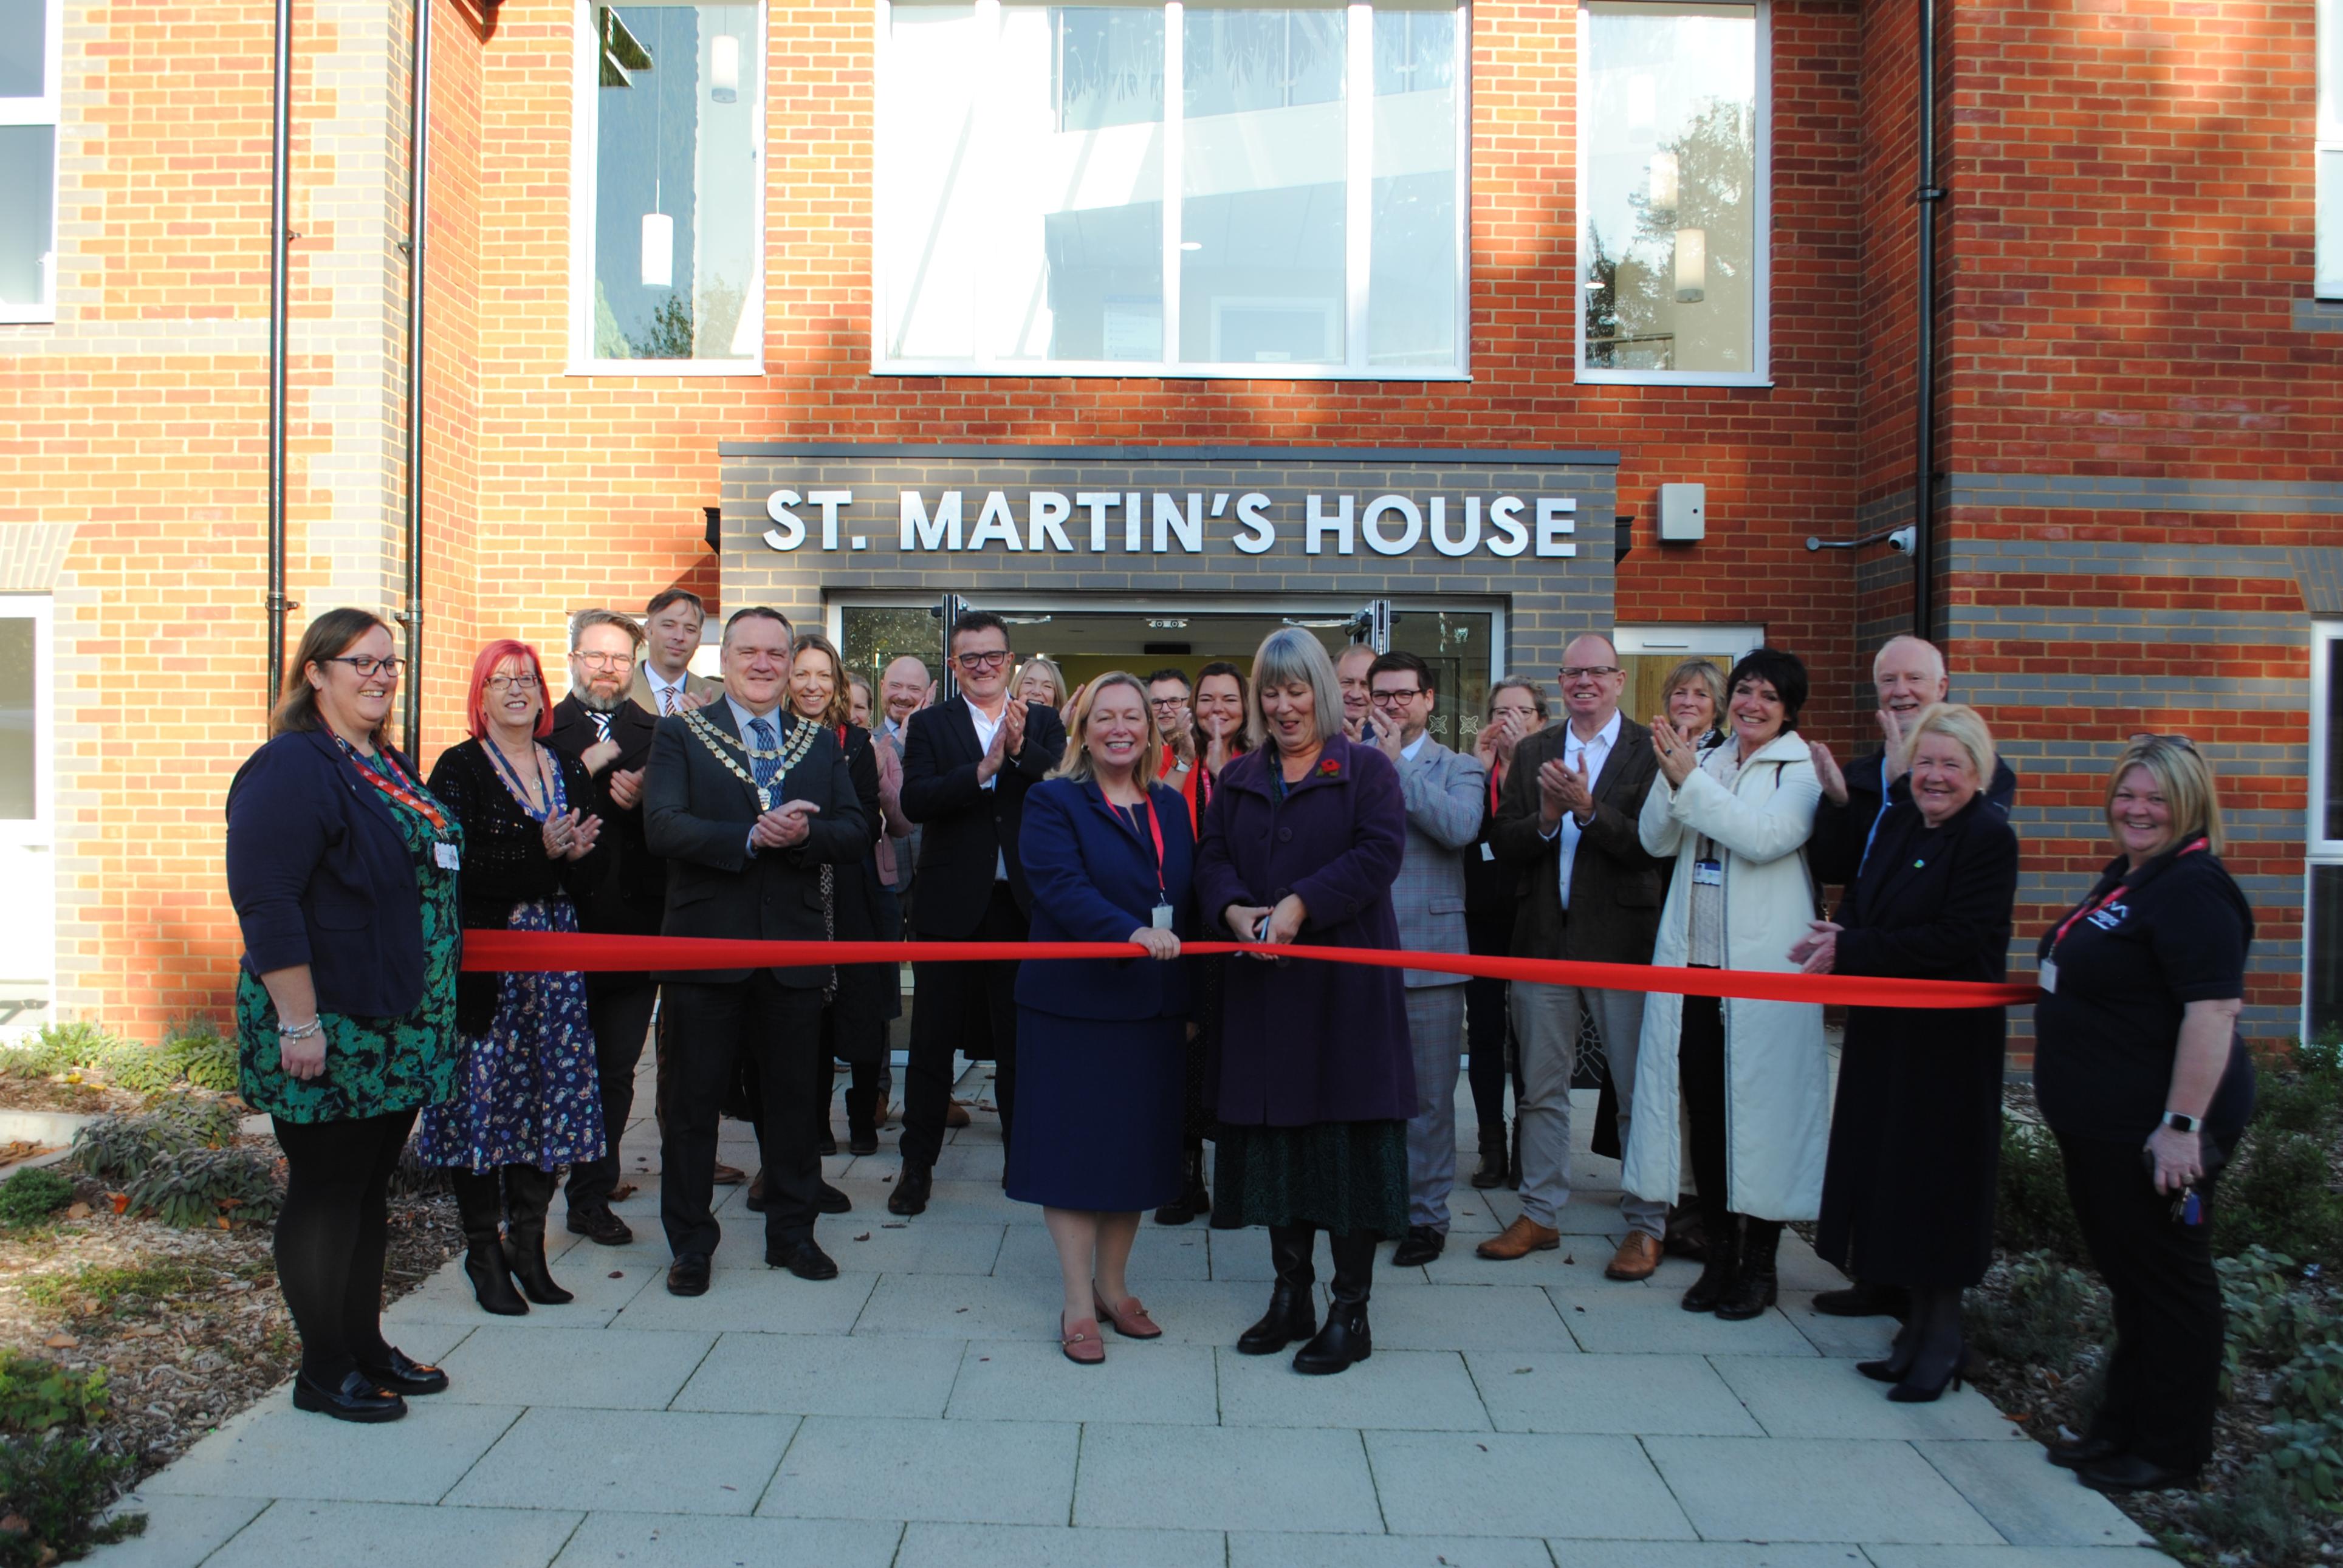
{"points": [[767, 768], [667, 699]]}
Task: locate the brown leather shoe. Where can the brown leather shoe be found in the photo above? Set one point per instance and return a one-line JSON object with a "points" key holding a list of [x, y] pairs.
{"points": [[1519, 1239], [729, 1175], [1637, 1257], [957, 1116]]}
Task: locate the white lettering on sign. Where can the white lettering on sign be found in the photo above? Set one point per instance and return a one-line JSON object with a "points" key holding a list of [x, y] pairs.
{"points": [[1163, 522]]}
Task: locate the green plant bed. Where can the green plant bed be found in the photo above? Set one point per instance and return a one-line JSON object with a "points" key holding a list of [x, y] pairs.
{"points": [[180, 1161], [30, 1197]]}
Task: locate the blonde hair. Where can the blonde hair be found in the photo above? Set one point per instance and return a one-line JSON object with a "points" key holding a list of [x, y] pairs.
{"points": [[1712, 681], [1287, 655], [2187, 781], [840, 709], [1964, 726], [1077, 763], [1057, 697]]}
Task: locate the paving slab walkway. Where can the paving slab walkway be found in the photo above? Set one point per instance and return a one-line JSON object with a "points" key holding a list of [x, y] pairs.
{"points": [[916, 1412]]}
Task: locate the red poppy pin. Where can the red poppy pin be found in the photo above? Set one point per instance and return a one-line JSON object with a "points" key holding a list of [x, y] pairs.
{"points": [[1328, 768]]}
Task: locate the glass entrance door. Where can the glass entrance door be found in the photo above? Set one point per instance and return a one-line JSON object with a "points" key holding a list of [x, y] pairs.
{"points": [[27, 870]]}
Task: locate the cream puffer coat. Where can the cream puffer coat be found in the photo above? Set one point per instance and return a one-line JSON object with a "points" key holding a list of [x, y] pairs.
{"points": [[1777, 1079]]}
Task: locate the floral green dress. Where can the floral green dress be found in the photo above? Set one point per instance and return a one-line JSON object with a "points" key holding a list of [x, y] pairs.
{"points": [[374, 1066]]}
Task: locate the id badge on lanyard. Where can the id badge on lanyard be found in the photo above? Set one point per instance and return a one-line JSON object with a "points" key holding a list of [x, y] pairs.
{"points": [[446, 856], [1159, 916], [1708, 873]]}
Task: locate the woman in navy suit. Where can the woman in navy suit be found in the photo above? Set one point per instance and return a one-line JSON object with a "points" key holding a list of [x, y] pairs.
{"points": [[1108, 853]]}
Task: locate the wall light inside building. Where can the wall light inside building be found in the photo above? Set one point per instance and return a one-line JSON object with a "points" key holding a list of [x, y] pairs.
{"points": [[1665, 168], [1191, 244], [724, 68], [659, 251], [1691, 266]]}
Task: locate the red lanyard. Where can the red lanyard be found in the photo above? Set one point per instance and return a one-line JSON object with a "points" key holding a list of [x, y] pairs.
{"points": [[1494, 773], [2088, 908], [1154, 828], [396, 786]]}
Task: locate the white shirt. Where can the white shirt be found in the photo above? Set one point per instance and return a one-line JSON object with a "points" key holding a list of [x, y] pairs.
{"points": [[1407, 752], [987, 727], [659, 689], [1592, 753]]}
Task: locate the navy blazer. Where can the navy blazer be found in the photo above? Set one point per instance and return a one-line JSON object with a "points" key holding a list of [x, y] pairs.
{"points": [[963, 826], [320, 876], [1093, 880]]}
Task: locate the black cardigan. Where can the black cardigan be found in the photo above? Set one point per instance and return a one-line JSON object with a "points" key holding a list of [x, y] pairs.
{"points": [[505, 862]]}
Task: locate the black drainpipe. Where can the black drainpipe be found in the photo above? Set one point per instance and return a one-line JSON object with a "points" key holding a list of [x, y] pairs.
{"points": [[280, 176], [1931, 195], [418, 174]]}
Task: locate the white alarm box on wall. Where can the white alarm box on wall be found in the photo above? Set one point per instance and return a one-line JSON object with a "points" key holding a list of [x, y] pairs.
{"points": [[1683, 513]]}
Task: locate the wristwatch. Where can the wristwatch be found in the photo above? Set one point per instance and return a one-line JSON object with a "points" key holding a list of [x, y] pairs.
{"points": [[2180, 1122]]}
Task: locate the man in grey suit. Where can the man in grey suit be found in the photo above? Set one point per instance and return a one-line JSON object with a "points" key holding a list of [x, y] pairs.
{"points": [[1443, 791], [1567, 816]]}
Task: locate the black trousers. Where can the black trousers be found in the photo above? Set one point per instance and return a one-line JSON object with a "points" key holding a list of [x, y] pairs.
{"points": [[619, 1008], [779, 1029], [945, 1000], [1700, 1075], [1486, 1027], [333, 1234], [2164, 1376]]}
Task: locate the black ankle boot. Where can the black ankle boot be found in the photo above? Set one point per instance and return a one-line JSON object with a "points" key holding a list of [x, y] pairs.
{"points": [[1345, 1339], [1900, 1352], [479, 1204], [1754, 1285], [1493, 1155], [1717, 1269], [529, 1191], [1292, 1311], [1195, 1199], [1938, 1350]]}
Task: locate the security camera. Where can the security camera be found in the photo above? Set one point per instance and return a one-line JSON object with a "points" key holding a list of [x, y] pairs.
{"points": [[1903, 540]]}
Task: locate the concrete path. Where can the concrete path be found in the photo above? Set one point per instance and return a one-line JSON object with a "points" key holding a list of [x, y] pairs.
{"points": [[916, 1412]]}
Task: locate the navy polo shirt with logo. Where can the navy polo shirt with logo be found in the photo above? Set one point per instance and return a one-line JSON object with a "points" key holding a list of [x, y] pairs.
{"points": [[2106, 1039]]}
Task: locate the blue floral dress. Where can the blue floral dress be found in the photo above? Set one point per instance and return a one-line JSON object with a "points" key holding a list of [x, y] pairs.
{"points": [[526, 1091]]}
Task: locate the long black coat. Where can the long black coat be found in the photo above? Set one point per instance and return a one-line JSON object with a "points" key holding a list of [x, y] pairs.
{"points": [[1915, 1138], [857, 1024]]}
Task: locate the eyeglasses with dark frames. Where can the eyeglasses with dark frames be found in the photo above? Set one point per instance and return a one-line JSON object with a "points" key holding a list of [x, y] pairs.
{"points": [[1574, 671], [989, 660], [364, 666], [1392, 698]]}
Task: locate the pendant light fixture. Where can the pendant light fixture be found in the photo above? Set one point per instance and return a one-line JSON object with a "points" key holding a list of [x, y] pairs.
{"points": [[1665, 173], [1691, 266], [724, 68]]}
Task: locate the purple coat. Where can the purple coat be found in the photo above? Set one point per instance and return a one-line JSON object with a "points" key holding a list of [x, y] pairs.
{"points": [[1304, 1042]]}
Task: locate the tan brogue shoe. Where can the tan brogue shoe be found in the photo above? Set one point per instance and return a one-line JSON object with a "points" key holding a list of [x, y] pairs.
{"points": [[1519, 1239], [1638, 1255]]}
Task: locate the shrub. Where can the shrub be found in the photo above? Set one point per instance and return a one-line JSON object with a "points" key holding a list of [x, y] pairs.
{"points": [[2257, 1516], [194, 1049], [2033, 1212], [29, 1197], [2308, 1457], [53, 1490], [58, 1046], [121, 1148], [2046, 1315], [2276, 1194], [2269, 1316], [36, 1395], [190, 1187]]}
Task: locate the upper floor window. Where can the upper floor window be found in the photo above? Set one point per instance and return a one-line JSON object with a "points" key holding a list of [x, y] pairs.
{"points": [[2329, 150], [32, 52], [1674, 209], [667, 259], [1198, 189]]}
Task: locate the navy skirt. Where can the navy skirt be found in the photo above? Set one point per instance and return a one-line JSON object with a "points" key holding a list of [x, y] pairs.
{"points": [[1099, 1105]]}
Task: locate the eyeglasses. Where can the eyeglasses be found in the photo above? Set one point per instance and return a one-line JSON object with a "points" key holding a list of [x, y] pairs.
{"points": [[1393, 698], [511, 683], [364, 666], [1159, 702], [1575, 671], [604, 660], [992, 661]]}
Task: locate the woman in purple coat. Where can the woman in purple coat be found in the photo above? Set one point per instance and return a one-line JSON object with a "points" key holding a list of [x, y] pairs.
{"points": [[1302, 844]]}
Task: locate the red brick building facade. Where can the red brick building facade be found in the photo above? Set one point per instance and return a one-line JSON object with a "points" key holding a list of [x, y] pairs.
{"points": [[2140, 414]]}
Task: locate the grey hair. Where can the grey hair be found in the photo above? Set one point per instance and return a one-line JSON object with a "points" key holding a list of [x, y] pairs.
{"points": [[1286, 656], [1511, 683], [1707, 674], [590, 618]]}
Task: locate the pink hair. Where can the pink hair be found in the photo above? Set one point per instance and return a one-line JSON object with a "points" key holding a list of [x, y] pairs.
{"points": [[494, 654]]}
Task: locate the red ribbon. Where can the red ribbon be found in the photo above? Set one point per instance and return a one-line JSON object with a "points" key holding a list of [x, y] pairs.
{"points": [[590, 952]]}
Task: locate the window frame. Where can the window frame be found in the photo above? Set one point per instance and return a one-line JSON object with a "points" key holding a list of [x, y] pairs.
{"points": [[1358, 238], [1761, 312], [49, 109], [2319, 852], [2327, 142], [585, 197]]}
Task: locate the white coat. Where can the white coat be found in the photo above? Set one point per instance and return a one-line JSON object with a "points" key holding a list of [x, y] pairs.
{"points": [[1777, 1079]]}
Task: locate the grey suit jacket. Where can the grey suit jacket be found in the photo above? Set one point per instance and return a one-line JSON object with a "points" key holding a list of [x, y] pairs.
{"points": [[906, 845], [1445, 792], [693, 685]]}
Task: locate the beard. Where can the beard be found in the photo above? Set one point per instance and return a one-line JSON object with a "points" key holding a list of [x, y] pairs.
{"points": [[590, 699]]}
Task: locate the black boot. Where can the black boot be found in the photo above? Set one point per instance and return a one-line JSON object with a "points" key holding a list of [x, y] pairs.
{"points": [[1292, 1311], [862, 1107], [1344, 1340], [1753, 1286], [529, 1191], [1939, 1348], [479, 1202], [1194, 1197], [1716, 1270], [1493, 1164], [1900, 1352]]}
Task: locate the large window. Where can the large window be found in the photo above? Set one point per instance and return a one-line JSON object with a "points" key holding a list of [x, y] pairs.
{"points": [[32, 34], [1673, 203], [668, 256], [2329, 150], [1198, 189], [2322, 981]]}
